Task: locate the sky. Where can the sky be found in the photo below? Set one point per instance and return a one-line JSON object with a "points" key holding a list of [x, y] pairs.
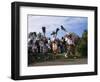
{"points": [[71, 23]]}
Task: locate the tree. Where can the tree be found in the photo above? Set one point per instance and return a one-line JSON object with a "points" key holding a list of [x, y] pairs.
{"points": [[82, 45]]}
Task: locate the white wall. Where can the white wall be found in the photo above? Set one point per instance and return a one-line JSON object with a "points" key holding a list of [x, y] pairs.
{"points": [[5, 42]]}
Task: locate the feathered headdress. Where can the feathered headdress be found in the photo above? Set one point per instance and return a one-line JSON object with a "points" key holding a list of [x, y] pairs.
{"points": [[44, 30], [57, 30], [63, 28]]}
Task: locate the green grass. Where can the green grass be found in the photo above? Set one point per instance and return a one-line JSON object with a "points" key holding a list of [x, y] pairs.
{"points": [[50, 57]]}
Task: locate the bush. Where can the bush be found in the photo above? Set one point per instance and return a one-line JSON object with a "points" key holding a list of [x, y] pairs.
{"points": [[81, 47]]}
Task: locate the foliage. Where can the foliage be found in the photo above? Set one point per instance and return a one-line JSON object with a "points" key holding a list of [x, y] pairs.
{"points": [[81, 47]]}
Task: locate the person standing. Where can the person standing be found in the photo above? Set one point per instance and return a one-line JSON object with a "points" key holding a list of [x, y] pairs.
{"points": [[70, 45]]}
